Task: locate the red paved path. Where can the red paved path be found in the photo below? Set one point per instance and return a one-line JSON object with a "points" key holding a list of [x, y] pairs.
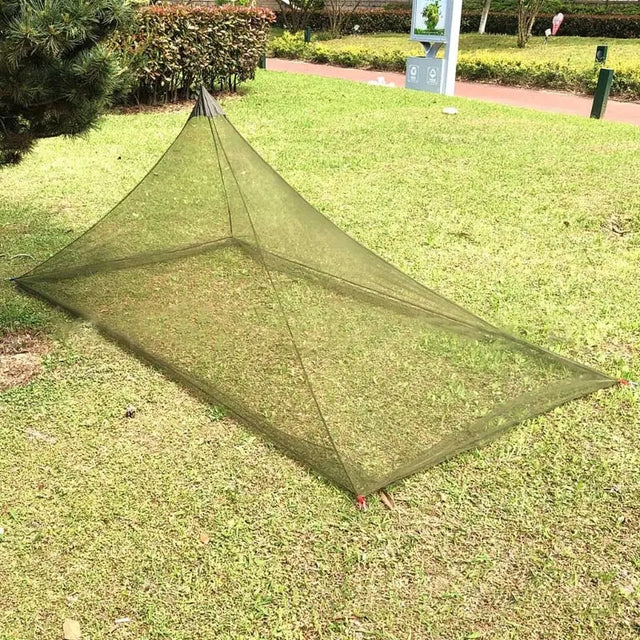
{"points": [[553, 101]]}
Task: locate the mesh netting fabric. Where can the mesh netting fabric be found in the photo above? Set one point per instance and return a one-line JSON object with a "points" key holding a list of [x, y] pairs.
{"points": [[216, 270]]}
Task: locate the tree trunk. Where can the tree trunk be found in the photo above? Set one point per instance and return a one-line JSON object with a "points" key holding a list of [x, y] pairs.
{"points": [[293, 17], [340, 14], [532, 21], [528, 11], [523, 31], [484, 16], [334, 9]]}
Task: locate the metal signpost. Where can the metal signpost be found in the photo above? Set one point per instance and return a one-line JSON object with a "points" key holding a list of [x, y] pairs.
{"points": [[434, 23], [600, 97]]}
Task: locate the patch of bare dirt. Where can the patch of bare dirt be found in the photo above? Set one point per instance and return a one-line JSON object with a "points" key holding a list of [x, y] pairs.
{"points": [[171, 107], [167, 107], [21, 357]]}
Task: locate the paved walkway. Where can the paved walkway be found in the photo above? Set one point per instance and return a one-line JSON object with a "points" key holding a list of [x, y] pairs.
{"points": [[553, 101]]}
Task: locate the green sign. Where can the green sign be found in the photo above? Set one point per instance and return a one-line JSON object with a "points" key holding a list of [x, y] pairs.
{"points": [[429, 20]]}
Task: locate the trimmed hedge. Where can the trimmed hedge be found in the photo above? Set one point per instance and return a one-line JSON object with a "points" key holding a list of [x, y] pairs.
{"points": [[586, 26], [483, 67], [399, 21], [174, 49], [612, 7], [367, 20], [547, 75]]}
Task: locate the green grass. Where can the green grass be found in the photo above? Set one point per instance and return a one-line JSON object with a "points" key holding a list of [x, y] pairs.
{"points": [[566, 50], [565, 63], [507, 212]]}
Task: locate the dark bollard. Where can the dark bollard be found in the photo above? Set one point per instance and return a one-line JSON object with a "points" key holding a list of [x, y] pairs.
{"points": [[307, 34], [262, 63], [605, 78]]}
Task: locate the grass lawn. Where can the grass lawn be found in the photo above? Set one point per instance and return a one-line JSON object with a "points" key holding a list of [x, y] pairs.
{"points": [[192, 527], [565, 63], [565, 50]]}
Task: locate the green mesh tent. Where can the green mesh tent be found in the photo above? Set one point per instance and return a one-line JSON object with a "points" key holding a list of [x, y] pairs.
{"points": [[216, 270]]}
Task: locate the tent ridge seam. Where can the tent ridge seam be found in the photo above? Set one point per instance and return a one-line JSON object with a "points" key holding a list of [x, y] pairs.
{"points": [[224, 186]]}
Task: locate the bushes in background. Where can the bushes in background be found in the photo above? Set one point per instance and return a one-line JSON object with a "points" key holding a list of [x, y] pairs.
{"points": [[293, 47], [605, 7], [367, 20], [485, 67], [399, 21], [596, 26], [586, 26], [546, 75], [174, 49], [620, 7]]}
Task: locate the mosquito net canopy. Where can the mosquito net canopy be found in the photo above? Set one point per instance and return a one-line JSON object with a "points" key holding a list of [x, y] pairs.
{"points": [[216, 270]]}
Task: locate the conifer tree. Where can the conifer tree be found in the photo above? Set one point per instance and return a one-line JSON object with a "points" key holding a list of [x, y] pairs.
{"points": [[56, 77]]}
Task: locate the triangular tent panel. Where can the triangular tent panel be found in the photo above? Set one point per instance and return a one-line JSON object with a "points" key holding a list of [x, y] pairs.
{"points": [[216, 270]]}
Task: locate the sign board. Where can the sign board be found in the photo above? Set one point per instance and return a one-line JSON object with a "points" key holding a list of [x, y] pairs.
{"points": [[429, 20], [435, 23]]}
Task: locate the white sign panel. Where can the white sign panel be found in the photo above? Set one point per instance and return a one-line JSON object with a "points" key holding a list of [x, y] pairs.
{"points": [[435, 23], [429, 20]]}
